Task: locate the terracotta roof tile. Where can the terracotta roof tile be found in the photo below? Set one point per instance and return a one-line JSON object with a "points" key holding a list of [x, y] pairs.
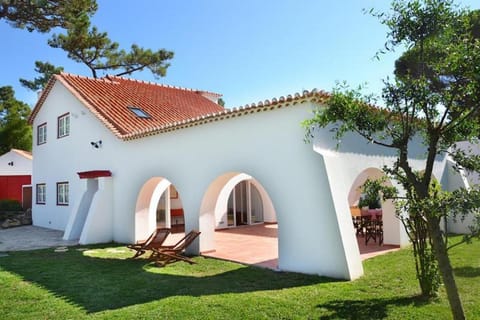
{"points": [[109, 99], [170, 108], [314, 96]]}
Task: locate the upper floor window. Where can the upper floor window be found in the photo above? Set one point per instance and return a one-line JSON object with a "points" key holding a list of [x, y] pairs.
{"points": [[63, 125], [62, 193], [41, 193], [42, 133]]}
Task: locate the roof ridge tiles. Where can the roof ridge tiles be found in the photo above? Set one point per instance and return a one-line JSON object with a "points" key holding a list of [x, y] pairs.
{"points": [[163, 85], [261, 106], [111, 78], [103, 79]]}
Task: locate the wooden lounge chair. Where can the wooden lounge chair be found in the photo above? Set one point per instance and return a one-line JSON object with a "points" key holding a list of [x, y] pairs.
{"points": [[156, 239], [164, 255]]}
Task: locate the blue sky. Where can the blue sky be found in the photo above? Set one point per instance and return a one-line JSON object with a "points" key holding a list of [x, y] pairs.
{"points": [[247, 50]]}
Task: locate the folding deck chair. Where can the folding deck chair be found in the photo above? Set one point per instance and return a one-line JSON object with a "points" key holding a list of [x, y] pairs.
{"points": [[164, 255], [156, 239]]}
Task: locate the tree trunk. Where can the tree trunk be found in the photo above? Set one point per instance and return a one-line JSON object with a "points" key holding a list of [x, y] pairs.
{"points": [[445, 269]]}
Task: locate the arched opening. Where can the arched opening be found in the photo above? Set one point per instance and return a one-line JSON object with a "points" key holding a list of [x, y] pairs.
{"points": [[158, 205], [242, 201], [169, 212], [238, 221], [386, 234]]}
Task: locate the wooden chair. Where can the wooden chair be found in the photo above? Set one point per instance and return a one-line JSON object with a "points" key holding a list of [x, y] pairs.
{"points": [[164, 255], [374, 229], [156, 239]]}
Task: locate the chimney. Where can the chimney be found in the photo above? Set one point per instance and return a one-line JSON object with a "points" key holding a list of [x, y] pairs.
{"points": [[210, 95]]}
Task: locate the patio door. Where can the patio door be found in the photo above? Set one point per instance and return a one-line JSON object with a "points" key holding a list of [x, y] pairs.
{"points": [[245, 205], [163, 211]]}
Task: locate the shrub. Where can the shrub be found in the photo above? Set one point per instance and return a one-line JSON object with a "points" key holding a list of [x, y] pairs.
{"points": [[10, 205]]}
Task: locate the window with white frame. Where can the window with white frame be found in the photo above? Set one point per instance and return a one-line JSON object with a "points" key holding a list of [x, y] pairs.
{"points": [[42, 133], [41, 193], [63, 125], [62, 193]]}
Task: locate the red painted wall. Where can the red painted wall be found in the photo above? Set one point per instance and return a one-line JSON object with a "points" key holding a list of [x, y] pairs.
{"points": [[11, 186]]}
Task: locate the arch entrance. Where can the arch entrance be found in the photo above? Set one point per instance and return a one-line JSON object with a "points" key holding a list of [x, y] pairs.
{"points": [[158, 205], [387, 225], [238, 199], [238, 221]]}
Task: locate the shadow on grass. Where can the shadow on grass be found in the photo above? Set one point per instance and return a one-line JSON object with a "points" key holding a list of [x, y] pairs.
{"points": [[367, 309], [467, 272], [96, 284]]}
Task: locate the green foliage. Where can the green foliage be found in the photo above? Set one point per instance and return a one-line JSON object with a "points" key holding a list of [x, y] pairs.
{"points": [[15, 132], [10, 205], [46, 71], [417, 230], [87, 45], [372, 192], [353, 110], [43, 15], [83, 43], [434, 97], [221, 102]]}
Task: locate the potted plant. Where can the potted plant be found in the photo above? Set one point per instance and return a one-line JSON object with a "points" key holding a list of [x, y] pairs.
{"points": [[371, 196]]}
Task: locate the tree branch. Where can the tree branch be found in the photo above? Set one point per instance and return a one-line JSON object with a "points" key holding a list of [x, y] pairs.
{"points": [[369, 138]]}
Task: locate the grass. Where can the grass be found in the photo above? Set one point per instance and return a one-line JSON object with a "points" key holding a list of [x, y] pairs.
{"points": [[100, 282]]}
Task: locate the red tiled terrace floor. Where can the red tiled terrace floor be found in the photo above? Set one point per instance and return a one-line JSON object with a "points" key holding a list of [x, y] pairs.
{"points": [[258, 245]]}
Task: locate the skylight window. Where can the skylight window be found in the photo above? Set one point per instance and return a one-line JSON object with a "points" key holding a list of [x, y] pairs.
{"points": [[139, 112]]}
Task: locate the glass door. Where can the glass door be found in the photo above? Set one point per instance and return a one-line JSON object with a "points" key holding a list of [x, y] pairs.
{"points": [[231, 210], [256, 205], [244, 205], [161, 212], [241, 203]]}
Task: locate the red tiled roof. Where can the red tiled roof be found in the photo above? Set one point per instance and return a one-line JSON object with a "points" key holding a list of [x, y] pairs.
{"points": [[171, 108], [313, 96], [109, 99]]}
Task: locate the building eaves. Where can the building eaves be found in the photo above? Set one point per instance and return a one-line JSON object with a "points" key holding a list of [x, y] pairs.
{"points": [[262, 106]]}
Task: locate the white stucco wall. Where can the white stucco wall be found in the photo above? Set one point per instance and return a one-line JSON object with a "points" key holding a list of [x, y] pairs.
{"points": [[99, 223], [453, 180], [59, 159], [473, 177], [22, 166], [267, 146], [80, 210]]}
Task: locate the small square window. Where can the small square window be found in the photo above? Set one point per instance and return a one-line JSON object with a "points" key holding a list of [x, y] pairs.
{"points": [[42, 133], [62, 193], [41, 193], [63, 125], [139, 112]]}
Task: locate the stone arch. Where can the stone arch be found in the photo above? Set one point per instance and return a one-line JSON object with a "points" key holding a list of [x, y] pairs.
{"points": [[214, 205], [392, 226], [148, 200]]}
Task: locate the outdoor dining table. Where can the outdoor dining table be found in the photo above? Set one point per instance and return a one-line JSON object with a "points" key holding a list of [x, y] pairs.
{"points": [[368, 223]]}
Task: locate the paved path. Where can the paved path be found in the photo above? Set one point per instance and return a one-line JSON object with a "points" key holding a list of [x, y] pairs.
{"points": [[31, 237]]}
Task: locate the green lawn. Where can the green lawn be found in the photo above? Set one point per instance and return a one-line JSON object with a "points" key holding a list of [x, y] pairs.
{"points": [[100, 282]]}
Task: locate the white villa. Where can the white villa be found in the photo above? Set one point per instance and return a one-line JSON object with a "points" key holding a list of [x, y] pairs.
{"points": [[114, 157]]}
